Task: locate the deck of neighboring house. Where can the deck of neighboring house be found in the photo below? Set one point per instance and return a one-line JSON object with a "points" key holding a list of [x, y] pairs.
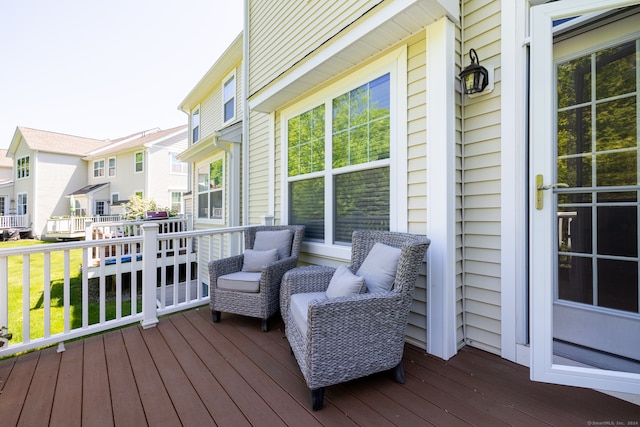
{"points": [[190, 371], [14, 227]]}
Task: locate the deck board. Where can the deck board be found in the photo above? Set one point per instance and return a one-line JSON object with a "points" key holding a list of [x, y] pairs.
{"points": [[190, 371], [67, 403], [127, 407], [39, 399]]}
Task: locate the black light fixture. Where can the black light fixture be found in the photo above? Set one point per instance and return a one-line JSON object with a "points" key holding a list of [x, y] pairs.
{"points": [[475, 77]]}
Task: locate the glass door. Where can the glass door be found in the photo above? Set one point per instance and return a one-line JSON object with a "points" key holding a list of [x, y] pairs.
{"points": [[584, 231]]}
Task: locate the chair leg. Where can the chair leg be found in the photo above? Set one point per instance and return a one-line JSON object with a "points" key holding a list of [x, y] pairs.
{"points": [[215, 315], [398, 373], [317, 398], [265, 325]]}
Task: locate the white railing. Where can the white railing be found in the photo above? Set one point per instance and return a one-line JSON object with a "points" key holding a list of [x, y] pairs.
{"points": [[14, 221], [76, 224], [45, 309], [110, 230]]}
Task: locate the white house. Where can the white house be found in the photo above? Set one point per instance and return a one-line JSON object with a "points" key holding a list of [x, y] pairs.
{"points": [[47, 166], [143, 164], [61, 175]]}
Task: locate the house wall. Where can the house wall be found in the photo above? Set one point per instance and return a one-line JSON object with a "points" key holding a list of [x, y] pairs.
{"points": [[279, 40], [211, 118], [127, 181], [481, 183], [264, 129], [161, 181], [56, 176]]}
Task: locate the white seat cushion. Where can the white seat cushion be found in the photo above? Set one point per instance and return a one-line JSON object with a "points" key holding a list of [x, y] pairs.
{"points": [[242, 281], [300, 307]]}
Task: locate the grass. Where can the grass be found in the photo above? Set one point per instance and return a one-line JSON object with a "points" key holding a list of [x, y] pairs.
{"points": [[55, 283]]}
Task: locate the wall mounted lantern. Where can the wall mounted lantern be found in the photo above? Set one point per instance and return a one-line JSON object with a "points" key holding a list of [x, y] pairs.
{"points": [[475, 78]]}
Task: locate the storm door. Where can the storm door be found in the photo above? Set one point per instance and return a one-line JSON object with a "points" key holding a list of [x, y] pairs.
{"points": [[585, 277]]}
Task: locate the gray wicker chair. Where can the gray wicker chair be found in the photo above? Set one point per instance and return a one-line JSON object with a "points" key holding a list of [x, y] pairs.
{"points": [[352, 336], [264, 303]]}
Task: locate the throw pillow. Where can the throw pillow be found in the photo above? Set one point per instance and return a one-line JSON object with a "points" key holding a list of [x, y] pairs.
{"points": [[379, 267], [344, 283], [254, 260], [279, 239]]}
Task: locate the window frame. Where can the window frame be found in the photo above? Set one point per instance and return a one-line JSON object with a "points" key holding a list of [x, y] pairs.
{"points": [[103, 206], [115, 198], [180, 203], [173, 161], [195, 134], [109, 168], [395, 64], [96, 170], [209, 218], [22, 203], [23, 167], [136, 162], [233, 98]]}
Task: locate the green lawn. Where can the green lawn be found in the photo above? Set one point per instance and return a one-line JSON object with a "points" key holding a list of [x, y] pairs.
{"points": [[56, 286]]}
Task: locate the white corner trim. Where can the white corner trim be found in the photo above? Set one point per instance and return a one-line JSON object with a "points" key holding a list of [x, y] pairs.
{"points": [[441, 188]]}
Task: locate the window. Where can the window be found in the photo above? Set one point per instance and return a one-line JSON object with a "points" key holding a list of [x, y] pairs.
{"points": [[22, 204], [22, 167], [195, 125], [176, 201], [229, 98], [3, 206], [112, 166], [210, 190], [115, 199], [98, 168], [349, 169], [100, 205], [139, 161], [176, 166]]}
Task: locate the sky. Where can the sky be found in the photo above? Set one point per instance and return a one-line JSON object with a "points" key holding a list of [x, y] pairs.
{"points": [[106, 69]]}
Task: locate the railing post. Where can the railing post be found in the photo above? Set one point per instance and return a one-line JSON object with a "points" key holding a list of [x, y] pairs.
{"points": [[150, 239]]}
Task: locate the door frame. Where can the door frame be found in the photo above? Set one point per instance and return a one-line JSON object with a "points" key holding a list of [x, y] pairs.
{"points": [[543, 367]]}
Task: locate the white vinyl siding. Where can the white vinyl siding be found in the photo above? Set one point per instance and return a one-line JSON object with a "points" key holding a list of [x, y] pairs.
{"points": [[481, 184], [273, 35]]}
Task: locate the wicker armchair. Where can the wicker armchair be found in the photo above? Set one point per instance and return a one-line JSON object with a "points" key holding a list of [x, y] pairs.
{"points": [[262, 301], [351, 336]]}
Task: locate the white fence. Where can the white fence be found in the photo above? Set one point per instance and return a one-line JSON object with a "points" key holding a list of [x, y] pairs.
{"points": [[14, 221], [46, 309]]}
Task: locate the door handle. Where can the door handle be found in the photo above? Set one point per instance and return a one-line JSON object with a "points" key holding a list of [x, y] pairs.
{"points": [[540, 187]]}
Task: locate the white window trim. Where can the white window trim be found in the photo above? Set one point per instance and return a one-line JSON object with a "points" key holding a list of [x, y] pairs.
{"points": [[18, 204], [115, 167], [394, 63], [199, 111], [184, 165], [104, 174], [114, 194], [235, 96], [196, 193], [135, 162], [26, 170]]}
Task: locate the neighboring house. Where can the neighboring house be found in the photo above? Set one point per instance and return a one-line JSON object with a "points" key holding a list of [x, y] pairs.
{"points": [[6, 168], [353, 118], [61, 175], [143, 164], [215, 123], [47, 166]]}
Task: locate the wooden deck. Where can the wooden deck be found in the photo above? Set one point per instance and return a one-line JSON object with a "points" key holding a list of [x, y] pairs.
{"points": [[188, 371]]}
